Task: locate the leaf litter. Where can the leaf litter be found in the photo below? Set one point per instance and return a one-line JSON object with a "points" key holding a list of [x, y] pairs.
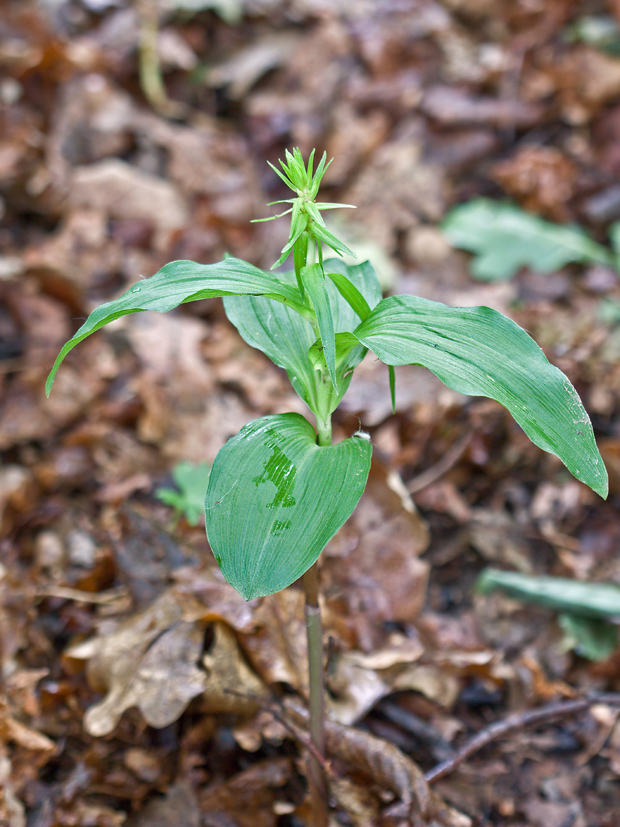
{"points": [[113, 619]]}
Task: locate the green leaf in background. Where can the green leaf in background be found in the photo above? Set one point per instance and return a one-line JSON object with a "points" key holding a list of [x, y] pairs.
{"points": [[504, 238], [480, 352], [180, 282], [589, 637], [595, 600], [189, 496], [276, 498], [286, 338], [597, 30]]}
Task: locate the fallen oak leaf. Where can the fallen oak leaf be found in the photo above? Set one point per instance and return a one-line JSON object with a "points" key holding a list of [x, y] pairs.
{"points": [[232, 686], [164, 682], [149, 661]]}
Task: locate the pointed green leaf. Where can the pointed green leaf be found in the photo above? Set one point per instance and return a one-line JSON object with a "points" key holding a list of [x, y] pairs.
{"points": [[392, 376], [180, 282], [559, 593], [323, 234], [191, 481], [315, 284], [285, 337], [276, 498], [351, 295], [478, 351]]}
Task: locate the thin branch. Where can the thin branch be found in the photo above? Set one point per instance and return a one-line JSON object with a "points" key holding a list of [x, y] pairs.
{"points": [[515, 723], [435, 472]]}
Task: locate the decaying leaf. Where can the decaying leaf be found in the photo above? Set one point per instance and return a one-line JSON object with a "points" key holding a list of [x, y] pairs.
{"points": [[148, 662], [387, 767], [372, 566], [357, 681], [178, 808], [232, 686], [247, 799]]}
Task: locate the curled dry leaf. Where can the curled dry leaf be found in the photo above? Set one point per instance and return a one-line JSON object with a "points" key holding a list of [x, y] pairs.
{"points": [[278, 648], [148, 662], [389, 769], [12, 813], [122, 191], [358, 681], [232, 686]]}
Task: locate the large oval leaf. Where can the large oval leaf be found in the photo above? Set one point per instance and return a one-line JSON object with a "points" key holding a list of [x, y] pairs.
{"points": [[180, 282], [478, 351], [276, 498]]}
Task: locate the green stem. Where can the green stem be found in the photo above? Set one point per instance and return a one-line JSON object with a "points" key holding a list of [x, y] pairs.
{"points": [[314, 632], [324, 429]]}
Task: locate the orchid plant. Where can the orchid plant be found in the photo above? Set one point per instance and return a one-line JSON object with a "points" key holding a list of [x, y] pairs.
{"points": [[280, 489]]}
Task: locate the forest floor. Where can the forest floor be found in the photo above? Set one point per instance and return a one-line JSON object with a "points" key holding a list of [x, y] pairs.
{"points": [[121, 645]]}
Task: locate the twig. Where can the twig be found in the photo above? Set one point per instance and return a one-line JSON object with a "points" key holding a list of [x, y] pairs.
{"points": [[279, 713], [436, 471], [516, 722]]}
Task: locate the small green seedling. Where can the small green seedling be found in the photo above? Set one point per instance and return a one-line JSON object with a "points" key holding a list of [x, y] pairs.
{"points": [[505, 238], [587, 612], [188, 498], [280, 490]]}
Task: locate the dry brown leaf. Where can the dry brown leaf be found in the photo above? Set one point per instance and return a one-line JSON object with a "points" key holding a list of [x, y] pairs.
{"points": [[387, 767], [541, 178], [397, 189], [371, 571], [178, 808], [247, 799], [122, 191], [356, 799], [277, 649], [231, 686], [148, 662], [12, 811], [165, 680], [453, 107], [208, 597], [357, 681]]}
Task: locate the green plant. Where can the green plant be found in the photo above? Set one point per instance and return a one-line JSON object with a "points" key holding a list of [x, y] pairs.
{"points": [[279, 490], [584, 609], [504, 238], [188, 498]]}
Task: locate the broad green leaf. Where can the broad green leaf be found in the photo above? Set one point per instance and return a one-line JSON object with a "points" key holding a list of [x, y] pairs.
{"points": [[276, 498], [189, 496], [315, 285], [286, 338], [478, 351], [180, 282], [597, 600], [505, 238], [589, 637]]}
